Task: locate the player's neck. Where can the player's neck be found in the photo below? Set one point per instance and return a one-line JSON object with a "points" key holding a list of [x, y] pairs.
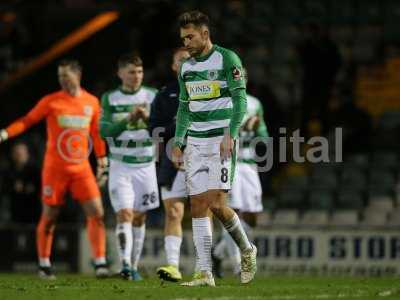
{"points": [[75, 92], [129, 89], [207, 49]]}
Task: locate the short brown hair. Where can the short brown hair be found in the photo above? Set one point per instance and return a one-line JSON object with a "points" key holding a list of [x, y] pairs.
{"points": [[72, 63], [130, 58], [195, 17]]}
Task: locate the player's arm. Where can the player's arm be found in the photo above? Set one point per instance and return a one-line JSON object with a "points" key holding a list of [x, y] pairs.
{"points": [[39, 112], [237, 87], [108, 128], [183, 114], [99, 147]]}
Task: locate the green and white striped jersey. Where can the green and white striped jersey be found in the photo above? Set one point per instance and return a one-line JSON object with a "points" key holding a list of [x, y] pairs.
{"points": [[246, 149], [128, 142], [206, 86]]}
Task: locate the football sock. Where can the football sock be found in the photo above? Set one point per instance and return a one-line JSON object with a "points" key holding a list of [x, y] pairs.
{"points": [[123, 232], [172, 246], [202, 237], [97, 237], [233, 252], [235, 229], [138, 240], [44, 240]]}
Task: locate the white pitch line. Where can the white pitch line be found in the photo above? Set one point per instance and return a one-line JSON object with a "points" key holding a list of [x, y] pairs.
{"points": [[385, 293], [282, 297]]}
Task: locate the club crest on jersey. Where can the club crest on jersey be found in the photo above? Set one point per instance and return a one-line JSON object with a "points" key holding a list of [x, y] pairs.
{"points": [[88, 110], [237, 73], [47, 191], [212, 74]]}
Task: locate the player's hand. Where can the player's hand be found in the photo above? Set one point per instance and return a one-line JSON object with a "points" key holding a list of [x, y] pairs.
{"points": [[252, 124], [3, 135], [177, 157], [142, 113], [102, 170], [226, 147], [139, 112]]}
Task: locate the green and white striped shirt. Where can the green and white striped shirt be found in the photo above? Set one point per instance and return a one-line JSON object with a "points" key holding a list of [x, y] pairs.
{"points": [[246, 149], [128, 142], [208, 86]]}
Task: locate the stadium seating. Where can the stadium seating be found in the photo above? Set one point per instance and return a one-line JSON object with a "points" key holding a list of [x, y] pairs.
{"points": [[286, 217], [348, 217]]}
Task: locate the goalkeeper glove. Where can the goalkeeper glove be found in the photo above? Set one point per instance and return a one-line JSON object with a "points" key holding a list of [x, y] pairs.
{"points": [[3, 135]]}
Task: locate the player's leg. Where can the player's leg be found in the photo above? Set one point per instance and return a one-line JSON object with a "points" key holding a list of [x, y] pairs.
{"points": [[122, 199], [220, 180], [197, 183], [173, 200], [252, 197], [231, 222], [54, 185], [144, 182], [139, 234], [174, 209], [227, 246], [94, 212], [44, 239], [124, 238], [85, 190]]}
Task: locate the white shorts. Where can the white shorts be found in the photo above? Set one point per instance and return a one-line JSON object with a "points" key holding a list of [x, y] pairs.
{"points": [[178, 188], [204, 168], [246, 189], [133, 187]]}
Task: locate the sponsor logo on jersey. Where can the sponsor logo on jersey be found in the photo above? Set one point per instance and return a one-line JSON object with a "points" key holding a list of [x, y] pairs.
{"points": [[203, 90], [117, 117], [237, 73], [47, 190], [76, 122], [88, 110]]}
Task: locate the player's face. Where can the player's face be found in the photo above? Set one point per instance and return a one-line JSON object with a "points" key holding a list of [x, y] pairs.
{"points": [[20, 153], [131, 76], [194, 39], [68, 78], [179, 57]]}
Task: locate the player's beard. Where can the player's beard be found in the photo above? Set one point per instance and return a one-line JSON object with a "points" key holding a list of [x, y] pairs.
{"points": [[199, 51]]}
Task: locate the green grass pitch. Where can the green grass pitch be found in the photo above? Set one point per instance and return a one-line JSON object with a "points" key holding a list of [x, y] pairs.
{"points": [[72, 287]]}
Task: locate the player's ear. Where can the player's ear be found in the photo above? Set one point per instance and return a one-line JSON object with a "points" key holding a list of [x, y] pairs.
{"points": [[206, 33], [119, 73]]}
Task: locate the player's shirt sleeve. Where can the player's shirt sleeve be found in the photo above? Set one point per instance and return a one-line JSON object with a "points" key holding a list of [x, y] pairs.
{"points": [[237, 87], [39, 112], [98, 143], [262, 129], [108, 128], [183, 114]]}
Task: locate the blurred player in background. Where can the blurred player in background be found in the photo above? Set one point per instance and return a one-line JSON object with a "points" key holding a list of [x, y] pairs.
{"points": [[132, 182], [72, 117], [171, 180], [211, 108], [246, 193]]}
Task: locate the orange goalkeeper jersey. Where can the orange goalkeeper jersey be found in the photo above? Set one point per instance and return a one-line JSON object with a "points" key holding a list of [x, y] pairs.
{"points": [[72, 128]]}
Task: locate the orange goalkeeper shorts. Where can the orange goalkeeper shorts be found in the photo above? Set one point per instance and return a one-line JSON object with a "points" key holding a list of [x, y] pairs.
{"points": [[57, 181]]}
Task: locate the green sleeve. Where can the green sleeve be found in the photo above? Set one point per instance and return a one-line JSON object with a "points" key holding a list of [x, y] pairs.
{"points": [[108, 128], [182, 117], [237, 87], [262, 130]]}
